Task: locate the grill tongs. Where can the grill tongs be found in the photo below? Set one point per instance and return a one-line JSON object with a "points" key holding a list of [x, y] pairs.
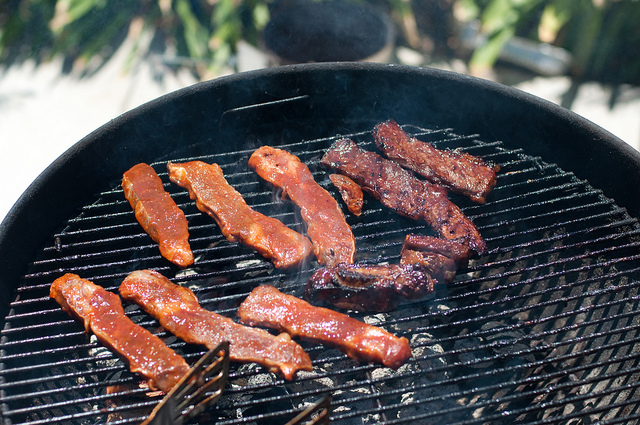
{"points": [[196, 391]]}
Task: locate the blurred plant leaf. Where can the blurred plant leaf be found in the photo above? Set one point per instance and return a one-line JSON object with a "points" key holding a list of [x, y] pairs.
{"points": [[196, 35], [554, 16], [600, 34]]}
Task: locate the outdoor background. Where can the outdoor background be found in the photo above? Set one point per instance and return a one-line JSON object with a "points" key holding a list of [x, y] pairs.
{"points": [[69, 66]]}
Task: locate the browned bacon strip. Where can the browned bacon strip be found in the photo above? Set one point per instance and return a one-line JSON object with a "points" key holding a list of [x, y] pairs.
{"points": [[401, 191], [350, 192], [177, 309], [239, 222], [425, 261], [440, 258], [368, 287], [266, 306], [158, 214], [459, 172], [333, 241], [102, 314]]}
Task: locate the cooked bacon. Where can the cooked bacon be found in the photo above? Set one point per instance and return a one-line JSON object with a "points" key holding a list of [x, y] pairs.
{"points": [[424, 261], [458, 171], [440, 258], [102, 314], [350, 192], [401, 191], [333, 240], [237, 220], [266, 306], [178, 310], [368, 287], [457, 251], [158, 214]]}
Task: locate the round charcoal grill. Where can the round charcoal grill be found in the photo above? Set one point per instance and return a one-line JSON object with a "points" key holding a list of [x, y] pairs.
{"points": [[542, 329]]}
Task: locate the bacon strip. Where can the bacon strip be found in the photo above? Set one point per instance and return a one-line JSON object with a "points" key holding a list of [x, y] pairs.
{"points": [[424, 261], [333, 240], [440, 258], [239, 222], [350, 192], [177, 309], [158, 214], [266, 306], [459, 172], [369, 287], [401, 191], [102, 314]]}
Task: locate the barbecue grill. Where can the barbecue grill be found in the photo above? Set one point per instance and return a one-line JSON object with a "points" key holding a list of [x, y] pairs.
{"points": [[543, 329]]}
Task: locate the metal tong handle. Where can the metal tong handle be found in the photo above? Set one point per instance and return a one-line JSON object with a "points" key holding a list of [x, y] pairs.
{"points": [[317, 413], [197, 390]]}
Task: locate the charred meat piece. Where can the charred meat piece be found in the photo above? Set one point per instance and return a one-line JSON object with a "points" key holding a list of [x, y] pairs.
{"points": [[266, 306], [403, 192], [459, 172], [333, 240], [237, 220], [158, 214], [440, 258], [350, 192], [178, 310], [102, 313], [455, 250], [368, 287]]}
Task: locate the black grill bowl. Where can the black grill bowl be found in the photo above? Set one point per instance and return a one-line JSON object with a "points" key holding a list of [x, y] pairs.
{"points": [[540, 330]]}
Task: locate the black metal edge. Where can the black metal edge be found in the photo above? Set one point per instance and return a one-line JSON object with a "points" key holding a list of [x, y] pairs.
{"points": [[340, 94]]}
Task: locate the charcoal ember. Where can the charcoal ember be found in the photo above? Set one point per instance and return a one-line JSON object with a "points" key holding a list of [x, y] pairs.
{"points": [[421, 384], [508, 342], [471, 352], [247, 392], [349, 398]]}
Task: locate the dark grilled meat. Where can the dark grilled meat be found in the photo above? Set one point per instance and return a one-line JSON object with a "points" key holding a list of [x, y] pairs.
{"points": [[401, 191], [459, 172], [440, 258], [368, 287], [350, 192], [425, 261]]}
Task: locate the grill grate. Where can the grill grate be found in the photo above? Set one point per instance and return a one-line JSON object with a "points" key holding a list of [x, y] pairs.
{"points": [[542, 329]]}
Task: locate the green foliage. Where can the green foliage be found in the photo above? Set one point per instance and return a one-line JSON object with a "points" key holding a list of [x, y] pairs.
{"points": [[602, 35], [202, 33]]}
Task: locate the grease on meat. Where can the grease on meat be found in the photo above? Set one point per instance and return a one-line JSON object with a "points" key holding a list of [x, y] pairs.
{"points": [[403, 192], [178, 310], [237, 220], [333, 240], [158, 214], [457, 171], [266, 306], [102, 313]]}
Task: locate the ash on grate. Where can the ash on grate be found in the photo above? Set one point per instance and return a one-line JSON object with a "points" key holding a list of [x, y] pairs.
{"points": [[421, 386]]}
